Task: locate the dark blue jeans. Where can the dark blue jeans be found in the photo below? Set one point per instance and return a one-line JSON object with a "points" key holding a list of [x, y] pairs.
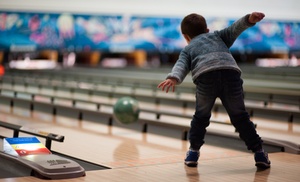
{"points": [[228, 86]]}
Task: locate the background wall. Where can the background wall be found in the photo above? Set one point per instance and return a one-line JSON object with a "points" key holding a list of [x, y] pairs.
{"points": [[274, 9], [153, 26]]}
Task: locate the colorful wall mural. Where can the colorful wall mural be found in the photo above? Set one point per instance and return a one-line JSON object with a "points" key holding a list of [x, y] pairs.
{"points": [[75, 32]]}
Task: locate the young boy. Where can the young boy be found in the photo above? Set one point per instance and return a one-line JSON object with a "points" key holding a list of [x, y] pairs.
{"points": [[215, 74]]}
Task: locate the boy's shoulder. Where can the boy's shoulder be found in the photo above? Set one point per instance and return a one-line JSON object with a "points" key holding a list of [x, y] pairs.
{"points": [[205, 37]]}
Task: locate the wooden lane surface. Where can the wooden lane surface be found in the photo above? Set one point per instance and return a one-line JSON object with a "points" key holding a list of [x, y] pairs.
{"points": [[285, 168], [140, 157], [110, 146]]}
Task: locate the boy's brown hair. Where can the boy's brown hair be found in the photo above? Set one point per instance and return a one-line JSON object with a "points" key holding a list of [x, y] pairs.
{"points": [[193, 25]]}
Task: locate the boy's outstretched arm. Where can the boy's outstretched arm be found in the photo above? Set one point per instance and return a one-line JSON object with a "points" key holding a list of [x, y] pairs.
{"points": [[255, 17], [167, 84]]}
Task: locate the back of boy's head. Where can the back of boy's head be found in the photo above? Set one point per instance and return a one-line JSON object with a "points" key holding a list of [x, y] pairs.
{"points": [[193, 25]]}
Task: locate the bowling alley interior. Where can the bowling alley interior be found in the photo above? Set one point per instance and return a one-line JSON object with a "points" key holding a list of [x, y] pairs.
{"points": [[80, 98]]}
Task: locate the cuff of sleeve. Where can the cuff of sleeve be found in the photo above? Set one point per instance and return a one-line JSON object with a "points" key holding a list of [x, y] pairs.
{"points": [[173, 77], [247, 20]]}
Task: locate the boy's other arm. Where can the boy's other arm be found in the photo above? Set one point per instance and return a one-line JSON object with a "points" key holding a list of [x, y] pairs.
{"points": [[230, 34]]}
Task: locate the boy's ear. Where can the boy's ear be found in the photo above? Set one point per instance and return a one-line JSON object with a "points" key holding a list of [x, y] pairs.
{"points": [[187, 38], [207, 30]]}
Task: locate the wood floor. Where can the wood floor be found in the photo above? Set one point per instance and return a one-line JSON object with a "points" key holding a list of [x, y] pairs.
{"points": [[137, 157]]}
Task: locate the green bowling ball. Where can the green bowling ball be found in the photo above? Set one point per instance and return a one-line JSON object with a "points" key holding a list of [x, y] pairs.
{"points": [[126, 110]]}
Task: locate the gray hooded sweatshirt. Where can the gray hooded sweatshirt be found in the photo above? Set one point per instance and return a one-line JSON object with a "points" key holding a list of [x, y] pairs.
{"points": [[209, 51]]}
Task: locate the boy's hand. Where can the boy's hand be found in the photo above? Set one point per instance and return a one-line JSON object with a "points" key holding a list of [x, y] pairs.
{"points": [[256, 17], [167, 84]]}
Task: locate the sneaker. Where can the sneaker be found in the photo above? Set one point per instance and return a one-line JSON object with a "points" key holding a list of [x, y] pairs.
{"points": [[262, 160], [192, 157]]}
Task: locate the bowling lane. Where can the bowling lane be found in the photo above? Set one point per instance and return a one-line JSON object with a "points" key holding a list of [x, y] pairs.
{"points": [[135, 156], [115, 147], [285, 168]]}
